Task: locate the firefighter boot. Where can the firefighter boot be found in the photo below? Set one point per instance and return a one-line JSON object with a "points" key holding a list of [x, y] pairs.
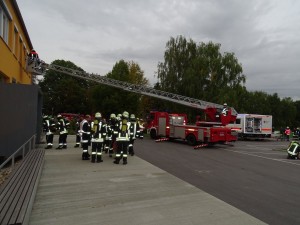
{"points": [[131, 151], [93, 158], [110, 152], [99, 159], [85, 156], [124, 160], [117, 160]]}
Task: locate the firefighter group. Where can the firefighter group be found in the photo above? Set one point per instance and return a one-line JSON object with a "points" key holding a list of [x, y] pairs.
{"points": [[114, 136]]}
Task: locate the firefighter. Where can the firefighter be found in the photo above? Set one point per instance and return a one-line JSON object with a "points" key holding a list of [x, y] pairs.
{"points": [[85, 132], [34, 58], [114, 126], [108, 138], [33, 54], [293, 150], [122, 139], [225, 109], [119, 117], [297, 133], [133, 128], [62, 125], [49, 129], [287, 133], [99, 133], [78, 137], [140, 129]]}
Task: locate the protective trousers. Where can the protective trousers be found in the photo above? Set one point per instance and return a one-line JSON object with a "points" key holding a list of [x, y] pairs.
{"points": [[49, 139], [62, 139], [122, 149], [77, 140], [97, 152], [130, 147], [85, 153]]}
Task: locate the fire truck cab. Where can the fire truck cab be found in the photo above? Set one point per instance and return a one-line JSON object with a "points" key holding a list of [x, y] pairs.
{"points": [[158, 123]]}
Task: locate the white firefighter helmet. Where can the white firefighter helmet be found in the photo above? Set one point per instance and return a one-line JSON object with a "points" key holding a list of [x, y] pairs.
{"points": [[59, 116], [98, 115], [112, 116], [132, 116], [125, 114], [119, 116], [225, 104]]}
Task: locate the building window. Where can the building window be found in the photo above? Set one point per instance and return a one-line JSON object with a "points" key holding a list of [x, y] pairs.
{"points": [[20, 48], [24, 56], [15, 41], [4, 23]]}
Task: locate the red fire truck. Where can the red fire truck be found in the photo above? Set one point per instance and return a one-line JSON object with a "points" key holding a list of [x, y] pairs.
{"points": [[172, 126], [175, 126]]}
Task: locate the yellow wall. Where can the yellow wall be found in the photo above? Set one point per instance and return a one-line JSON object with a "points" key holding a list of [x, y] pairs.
{"points": [[13, 54]]}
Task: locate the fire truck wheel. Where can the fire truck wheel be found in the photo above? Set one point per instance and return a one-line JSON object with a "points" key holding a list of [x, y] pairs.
{"points": [[191, 139], [153, 134]]}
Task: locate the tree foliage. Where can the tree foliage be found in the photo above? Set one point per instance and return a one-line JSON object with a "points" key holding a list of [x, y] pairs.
{"points": [[112, 100], [63, 93], [201, 71]]}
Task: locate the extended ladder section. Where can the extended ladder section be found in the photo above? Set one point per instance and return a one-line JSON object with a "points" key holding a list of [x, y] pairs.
{"points": [[139, 89]]}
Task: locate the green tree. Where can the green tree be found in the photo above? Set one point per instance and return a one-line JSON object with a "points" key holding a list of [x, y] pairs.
{"points": [[284, 111], [200, 71], [64, 93], [113, 100], [275, 109], [288, 113], [297, 118]]}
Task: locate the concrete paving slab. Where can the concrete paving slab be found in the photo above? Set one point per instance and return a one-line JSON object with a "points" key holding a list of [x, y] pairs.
{"points": [[73, 191]]}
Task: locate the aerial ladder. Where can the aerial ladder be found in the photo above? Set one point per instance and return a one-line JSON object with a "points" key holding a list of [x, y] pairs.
{"points": [[212, 110]]}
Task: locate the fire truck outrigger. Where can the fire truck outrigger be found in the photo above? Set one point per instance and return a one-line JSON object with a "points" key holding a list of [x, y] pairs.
{"points": [[162, 124]]}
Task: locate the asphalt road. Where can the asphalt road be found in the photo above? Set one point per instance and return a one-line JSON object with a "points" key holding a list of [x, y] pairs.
{"points": [[253, 176]]}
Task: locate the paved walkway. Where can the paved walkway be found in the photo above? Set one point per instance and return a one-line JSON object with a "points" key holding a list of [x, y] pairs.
{"points": [[72, 191]]}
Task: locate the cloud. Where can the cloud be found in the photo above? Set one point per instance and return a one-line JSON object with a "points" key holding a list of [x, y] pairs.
{"points": [[95, 34]]}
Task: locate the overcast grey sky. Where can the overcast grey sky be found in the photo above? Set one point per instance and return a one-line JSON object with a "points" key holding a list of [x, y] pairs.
{"points": [[95, 34]]}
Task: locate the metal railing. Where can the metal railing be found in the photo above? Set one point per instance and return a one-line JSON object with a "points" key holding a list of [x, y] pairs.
{"points": [[31, 145]]}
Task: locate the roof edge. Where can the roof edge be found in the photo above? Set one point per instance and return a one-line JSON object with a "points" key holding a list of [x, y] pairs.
{"points": [[19, 15]]}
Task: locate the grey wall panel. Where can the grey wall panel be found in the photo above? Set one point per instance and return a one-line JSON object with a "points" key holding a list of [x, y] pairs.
{"points": [[20, 115]]}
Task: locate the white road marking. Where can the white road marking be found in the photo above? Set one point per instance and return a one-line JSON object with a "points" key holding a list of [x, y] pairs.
{"points": [[267, 153], [263, 157]]}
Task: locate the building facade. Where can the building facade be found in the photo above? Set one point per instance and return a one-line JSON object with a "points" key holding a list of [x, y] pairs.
{"points": [[20, 101], [15, 44]]}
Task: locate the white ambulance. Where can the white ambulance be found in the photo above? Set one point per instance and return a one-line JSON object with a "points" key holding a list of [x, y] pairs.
{"points": [[252, 126]]}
